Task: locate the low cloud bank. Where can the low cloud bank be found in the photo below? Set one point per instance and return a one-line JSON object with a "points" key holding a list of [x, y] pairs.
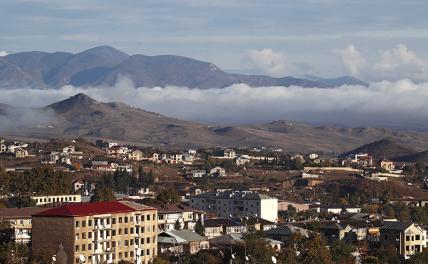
{"points": [[400, 104]]}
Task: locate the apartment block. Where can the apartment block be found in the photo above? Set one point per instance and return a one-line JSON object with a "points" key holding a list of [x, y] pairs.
{"points": [[57, 199], [237, 204], [97, 233]]}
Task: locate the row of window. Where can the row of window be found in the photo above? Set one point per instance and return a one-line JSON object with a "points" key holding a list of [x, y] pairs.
{"points": [[115, 244], [56, 199], [119, 232], [114, 220], [122, 255]]}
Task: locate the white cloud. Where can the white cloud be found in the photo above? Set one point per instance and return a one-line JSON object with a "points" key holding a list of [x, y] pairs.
{"points": [[401, 103], [392, 64], [3, 53], [400, 62], [270, 62], [352, 59]]}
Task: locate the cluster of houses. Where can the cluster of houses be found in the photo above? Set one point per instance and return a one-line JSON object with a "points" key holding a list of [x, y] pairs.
{"points": [[170, 228], [18, 149], [65, 156]]}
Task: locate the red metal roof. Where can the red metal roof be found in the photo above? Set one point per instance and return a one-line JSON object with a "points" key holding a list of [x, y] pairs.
{"points": [[86, 209]]}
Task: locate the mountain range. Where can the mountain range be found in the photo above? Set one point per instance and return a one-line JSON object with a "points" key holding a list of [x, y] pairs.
{"points": [[81, 115], [103, 65]]}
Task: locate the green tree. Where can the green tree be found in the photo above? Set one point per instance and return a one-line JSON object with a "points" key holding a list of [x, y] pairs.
{"points": [[342, 251], [199, 227], [169, 196], [291, 211], [177, 225], [103, 194]]}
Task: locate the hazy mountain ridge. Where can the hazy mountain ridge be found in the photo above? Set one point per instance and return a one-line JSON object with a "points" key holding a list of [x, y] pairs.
{"points": [[103, 65], [81, 115]]}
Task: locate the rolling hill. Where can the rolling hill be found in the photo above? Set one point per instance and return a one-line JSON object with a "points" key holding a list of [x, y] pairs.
{"points": [[81, 115], [384, 149]]}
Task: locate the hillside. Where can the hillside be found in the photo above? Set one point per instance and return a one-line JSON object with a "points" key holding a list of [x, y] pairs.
{"points": [[81, 115], [416, 157], [385, 148], [103, 65]]}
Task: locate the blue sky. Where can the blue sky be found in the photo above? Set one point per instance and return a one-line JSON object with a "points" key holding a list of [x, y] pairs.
{"points": [[373, 40]]}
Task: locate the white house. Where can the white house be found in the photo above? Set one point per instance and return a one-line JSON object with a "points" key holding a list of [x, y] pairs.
{"points": [[217, 172], [198, 173]]}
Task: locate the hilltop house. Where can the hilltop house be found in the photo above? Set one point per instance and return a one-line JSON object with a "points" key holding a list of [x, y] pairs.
{"points": [[387, 165], [136, 155]]}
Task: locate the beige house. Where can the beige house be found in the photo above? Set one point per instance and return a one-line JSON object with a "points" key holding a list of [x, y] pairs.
{"points": [[181, 242], [387, 165], [20, 221], [407, 238], [97, 232], [21, 153], [136, 155]]}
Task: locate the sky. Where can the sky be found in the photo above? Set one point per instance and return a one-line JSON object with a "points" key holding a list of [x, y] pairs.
{"points": [[374, 40]]}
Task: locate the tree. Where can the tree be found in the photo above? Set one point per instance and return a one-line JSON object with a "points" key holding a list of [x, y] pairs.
{"points": [[342, 251], [177, 225], [316, 251], [103, 194], [159, 260], [291, 211], [199, 227], [168, 197], [202, 256]]}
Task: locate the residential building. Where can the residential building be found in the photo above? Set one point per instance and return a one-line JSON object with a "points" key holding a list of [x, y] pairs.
{"points": [[285, 232], [20, 221], [216, 227], [97, 232], [407, 238], [181, 242], [3, 148], [237, 204], [20, 153], [217, 172], [387, 165], [198, 173], [57, 199], [242, 160], [168, 215], [136, 155]]}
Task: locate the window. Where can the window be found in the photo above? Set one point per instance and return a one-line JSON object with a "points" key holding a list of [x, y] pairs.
{"points": [[83, 223], [148, 217], [407, 238], [113, 232], [77, 224], [83, 247], [148, 240], [131, 230], [126, 254], [113, 221], [418, 237], [120, 220], [77, 248], [120, 231], [89, 246], [126, 219], [83, 235], [126, 231], [89, 234], [89, 222], [148, 252]]}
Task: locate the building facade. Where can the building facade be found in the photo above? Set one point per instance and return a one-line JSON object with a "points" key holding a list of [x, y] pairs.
{"points": [[97, 232], [237, 204]]}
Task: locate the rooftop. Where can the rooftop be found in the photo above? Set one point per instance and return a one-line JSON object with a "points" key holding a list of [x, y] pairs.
{"points": [[86, 209], [398, 226], [20, 213]]}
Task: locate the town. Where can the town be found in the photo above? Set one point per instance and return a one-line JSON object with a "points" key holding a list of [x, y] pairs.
{"points": [[81, 201]]}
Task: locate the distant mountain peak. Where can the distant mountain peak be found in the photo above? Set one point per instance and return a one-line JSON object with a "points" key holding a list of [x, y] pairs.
{"points": [[78, 100], [104, 50]]}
